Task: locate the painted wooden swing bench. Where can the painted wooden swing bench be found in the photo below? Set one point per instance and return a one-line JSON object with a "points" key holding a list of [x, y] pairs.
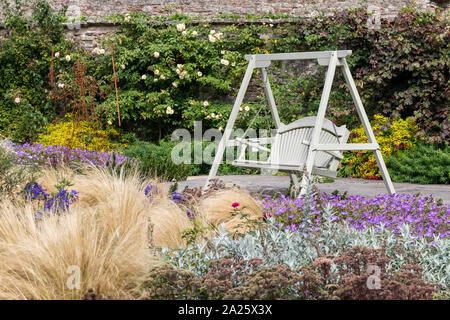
{"points": [[311, 145], [289, 148]]}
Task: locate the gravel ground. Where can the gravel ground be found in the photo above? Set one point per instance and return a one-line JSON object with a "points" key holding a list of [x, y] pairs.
{"points": [[366, 188]]}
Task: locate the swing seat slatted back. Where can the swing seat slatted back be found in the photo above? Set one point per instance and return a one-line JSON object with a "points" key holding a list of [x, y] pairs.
{"points": [[291, 143], [290, 147]]}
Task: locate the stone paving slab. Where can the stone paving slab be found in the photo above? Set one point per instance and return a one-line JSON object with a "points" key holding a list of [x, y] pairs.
{"points": [[366, 188]]}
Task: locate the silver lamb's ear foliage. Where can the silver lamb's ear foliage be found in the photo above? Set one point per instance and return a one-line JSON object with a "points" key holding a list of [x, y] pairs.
{"points": [[296, 249]]}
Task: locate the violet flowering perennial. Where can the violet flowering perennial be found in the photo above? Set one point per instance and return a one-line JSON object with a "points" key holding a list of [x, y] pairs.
{"points": [[53, 203], [148, 190], [177, 197], [60, 202], [52, 156], [425, 217]]}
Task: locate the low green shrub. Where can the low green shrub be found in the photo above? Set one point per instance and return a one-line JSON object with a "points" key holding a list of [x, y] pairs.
{"points": [[156, 160], [424, 164]]}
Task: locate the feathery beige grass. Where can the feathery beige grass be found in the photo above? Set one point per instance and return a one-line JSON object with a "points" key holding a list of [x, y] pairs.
{"points": [[217, 209], [106, 235], [108, 241]]}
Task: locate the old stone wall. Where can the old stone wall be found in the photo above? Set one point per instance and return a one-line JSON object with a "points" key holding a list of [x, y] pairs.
{"points": [[90, 16], [92, 9]]}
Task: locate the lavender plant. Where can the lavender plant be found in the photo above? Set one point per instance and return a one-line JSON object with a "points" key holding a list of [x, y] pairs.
{"points": [[52, 156]]}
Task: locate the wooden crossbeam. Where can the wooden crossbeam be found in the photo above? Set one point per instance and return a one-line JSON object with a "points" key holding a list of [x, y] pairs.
{"points": [[346, 146], [298, 55]]}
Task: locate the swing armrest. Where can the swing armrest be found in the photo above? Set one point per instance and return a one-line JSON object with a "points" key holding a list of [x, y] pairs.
{"points": [[335, 154], [259, 141], [253, 144]]}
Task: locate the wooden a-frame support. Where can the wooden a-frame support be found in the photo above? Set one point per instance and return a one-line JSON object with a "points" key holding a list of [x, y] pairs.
{"points": [[332, 59]]}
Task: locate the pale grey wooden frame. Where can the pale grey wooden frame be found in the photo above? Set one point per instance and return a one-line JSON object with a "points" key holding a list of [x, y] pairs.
{"points": [[331, 58]]}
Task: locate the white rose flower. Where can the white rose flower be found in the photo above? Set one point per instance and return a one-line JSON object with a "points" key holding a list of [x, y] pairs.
{"points": [[174, 84], [247, 108], [156, 71], [199, 74], [67, 58], [101, 51], [220, 128], [122, 66], [222, 52], [225, 62], [109, 122], [180, 66], [205, 103], [156, 54], [184, 33], [162, 77], [169, 110], [213, 115], [181, 26], [212, 39], [212, 32], [178, 71], [194, 33], [155, 80], [144, 77], [17, 100], [184, 74], [61, 85], [57, 54], [233, 64]]}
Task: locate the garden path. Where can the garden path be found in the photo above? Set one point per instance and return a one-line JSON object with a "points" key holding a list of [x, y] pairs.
{"points": [[366, 188]]}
